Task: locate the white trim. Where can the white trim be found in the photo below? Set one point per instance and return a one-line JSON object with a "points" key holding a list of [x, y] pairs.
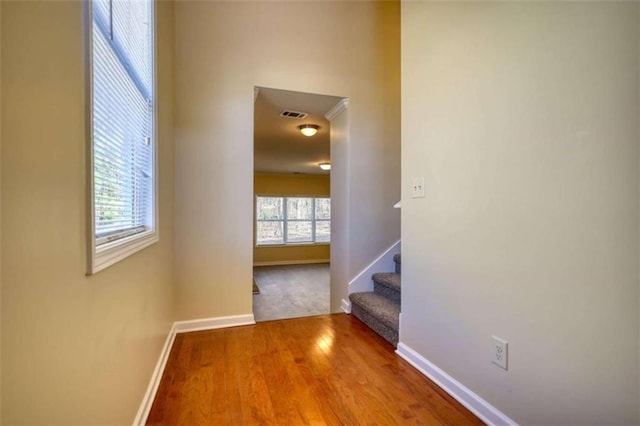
{"points": [[290, 262], [213, 323], [256, 91], [342, 105], [88, 99], [478, 406], [398, 205], [156, 376], [305, 244], [383, 263], [105, 256], [346, 306]]}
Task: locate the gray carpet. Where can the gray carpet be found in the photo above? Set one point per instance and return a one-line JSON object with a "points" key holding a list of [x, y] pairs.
{"points": [[380, 308], [291, 291]]}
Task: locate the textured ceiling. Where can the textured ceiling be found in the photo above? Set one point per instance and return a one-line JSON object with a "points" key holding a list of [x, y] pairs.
{"points": [[279, 147]]}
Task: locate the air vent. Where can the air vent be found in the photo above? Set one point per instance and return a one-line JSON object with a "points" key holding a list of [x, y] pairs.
{"points": [[294, 114]]}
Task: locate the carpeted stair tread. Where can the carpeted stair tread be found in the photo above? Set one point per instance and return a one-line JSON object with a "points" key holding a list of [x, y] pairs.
{"points": [[387, 279], [379, 306], [378, 312], [380, 309], [387, 284]]}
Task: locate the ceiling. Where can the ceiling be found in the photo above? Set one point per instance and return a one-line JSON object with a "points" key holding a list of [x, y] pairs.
{"points": [[279, 147]]}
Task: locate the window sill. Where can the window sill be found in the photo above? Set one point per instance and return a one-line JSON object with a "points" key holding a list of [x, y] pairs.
{"points": [[111, 253], [291, 245]]}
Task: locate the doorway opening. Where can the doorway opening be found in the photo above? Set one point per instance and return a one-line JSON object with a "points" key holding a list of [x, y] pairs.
{"points": [[292, 204]]}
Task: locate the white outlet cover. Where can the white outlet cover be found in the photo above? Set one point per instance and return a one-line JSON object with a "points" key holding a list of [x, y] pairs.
{"points": [[499, 352], [417, 190]]}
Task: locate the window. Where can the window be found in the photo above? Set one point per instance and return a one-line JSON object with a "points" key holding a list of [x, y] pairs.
{"points": [[122, 130], [292, 220]]}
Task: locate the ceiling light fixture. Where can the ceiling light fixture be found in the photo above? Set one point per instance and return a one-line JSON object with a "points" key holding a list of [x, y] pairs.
{"points": [[325, 166], [308, 129]]}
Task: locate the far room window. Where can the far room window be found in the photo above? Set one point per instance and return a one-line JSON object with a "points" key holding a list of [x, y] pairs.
{"points": [[292, 220], [123, 145]]}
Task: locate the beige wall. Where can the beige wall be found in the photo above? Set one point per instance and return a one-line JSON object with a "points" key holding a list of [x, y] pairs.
{"points": [[523, 119], [291, 185], [76, 349], [340, 252], [223, 50]]}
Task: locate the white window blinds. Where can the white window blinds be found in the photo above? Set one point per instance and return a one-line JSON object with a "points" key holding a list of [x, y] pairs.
{"points": [[122, 115]]}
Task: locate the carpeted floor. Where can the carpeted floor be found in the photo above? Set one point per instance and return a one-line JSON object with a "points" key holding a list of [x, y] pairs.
{"points": [[291, 291]]}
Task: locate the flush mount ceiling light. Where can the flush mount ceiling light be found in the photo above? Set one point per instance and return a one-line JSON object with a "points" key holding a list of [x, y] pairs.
{"points": [[325, 166], [308, 129]]}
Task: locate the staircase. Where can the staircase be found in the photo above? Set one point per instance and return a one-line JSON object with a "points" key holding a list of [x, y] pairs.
{"points": [[380, 308]]}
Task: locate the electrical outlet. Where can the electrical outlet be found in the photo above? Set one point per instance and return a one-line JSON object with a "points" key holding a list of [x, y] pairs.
{"points": [[499, 352], [417, 190]]}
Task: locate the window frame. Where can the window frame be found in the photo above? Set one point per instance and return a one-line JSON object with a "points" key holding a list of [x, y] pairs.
{"points": [[285, 220], [106, 254]]}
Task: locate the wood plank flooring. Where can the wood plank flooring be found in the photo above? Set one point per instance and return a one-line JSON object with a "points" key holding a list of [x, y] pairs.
{"points": [[329, 369]]}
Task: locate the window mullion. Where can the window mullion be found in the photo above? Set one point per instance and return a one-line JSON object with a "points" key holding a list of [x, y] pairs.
{"points": [[285, 221], [313, 219]]}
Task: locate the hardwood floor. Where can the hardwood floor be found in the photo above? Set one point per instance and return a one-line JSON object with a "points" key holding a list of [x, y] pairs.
{"points": [[328, 369]]}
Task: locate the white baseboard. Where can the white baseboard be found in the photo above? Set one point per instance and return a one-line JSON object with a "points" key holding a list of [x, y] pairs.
{"points": [[156, 376], [213, 323], [291, 262], [384, 263], [346, 306], [182, 327], [478, 406]]}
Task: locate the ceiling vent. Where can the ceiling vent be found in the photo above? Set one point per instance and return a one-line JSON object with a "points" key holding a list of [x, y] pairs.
{"points": [[294, 114]]}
